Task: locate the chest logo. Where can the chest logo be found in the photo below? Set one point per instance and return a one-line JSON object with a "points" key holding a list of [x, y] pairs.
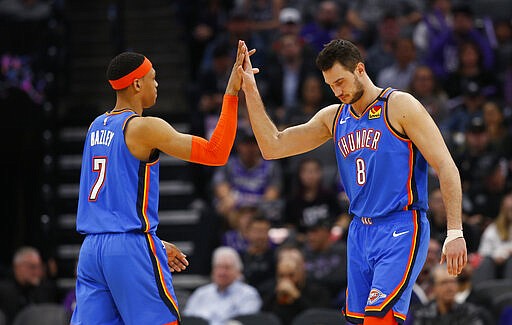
{"points": [[344, 120], [375, 112]]}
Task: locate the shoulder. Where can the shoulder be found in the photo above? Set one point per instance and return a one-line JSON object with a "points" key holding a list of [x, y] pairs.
{"points": [[328, 113], [403, 101]]}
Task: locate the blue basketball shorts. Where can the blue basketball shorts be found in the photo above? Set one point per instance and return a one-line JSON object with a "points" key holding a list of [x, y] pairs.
{"points": [[123, 278], [384, 258]]}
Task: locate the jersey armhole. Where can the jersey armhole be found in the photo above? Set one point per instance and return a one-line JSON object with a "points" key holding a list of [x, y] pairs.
{"points": [[388, 123], [335, 118]]}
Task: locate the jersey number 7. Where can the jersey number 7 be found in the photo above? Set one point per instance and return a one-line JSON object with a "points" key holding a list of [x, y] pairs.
{"points": [[99, 165]]}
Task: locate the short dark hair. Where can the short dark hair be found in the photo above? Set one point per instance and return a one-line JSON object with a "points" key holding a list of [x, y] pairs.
{"points": [[342, 51], [123, 64]]}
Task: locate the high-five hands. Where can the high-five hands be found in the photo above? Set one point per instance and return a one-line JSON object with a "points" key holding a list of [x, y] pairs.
{"points": [[235, 79]]}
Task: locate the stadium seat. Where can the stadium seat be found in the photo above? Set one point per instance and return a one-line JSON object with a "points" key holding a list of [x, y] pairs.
{"points": [[42, 314], [193, 320], [319, 316], [486, 291], [182, 295], [3, 320], [258, 319], [502, 301]]}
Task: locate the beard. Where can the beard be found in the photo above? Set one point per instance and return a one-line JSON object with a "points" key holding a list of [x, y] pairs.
{"points": [[358, 92]]}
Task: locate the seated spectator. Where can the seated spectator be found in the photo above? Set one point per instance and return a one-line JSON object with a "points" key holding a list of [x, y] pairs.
{"points": [[226, 296], [311, 201], [465, 291], [312, 99], [247, 180], [498, 131], [326, 261], [379, 54], [443, 309], [437, 217], [496, 246], [28, 284], [437, 18], [422, 289], [399, 74], [425, 87], [285, 73], [259, 258], [292, 293], [237, 236], [323, 29], [442, 51], [470, 69], [264, 16]]}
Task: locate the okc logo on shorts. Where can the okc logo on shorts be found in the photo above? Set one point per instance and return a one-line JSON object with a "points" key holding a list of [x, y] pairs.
{"points": [[375, 112], [374, 296]]}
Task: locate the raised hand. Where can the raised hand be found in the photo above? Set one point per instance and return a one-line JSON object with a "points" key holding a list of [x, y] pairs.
{"points": [[235, 79]]}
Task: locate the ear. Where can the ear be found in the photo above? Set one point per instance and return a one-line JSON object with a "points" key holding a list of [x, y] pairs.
{"points": [[137, 84], [360, 68]]}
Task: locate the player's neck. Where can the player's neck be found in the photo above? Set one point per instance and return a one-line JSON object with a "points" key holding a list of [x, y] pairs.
{"points": [[370, 94], [126, 103]]}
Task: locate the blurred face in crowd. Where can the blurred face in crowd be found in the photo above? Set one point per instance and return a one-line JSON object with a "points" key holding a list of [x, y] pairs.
{"points": [[492, 114], [290, 270], [445, 286], [318, 238], [310, 174], [225, 271], [423, 81], [258, 234], [290, 48], [507, 206], [28, 269], [405, 52], [249, 153], [312, 91], [436, 206]]}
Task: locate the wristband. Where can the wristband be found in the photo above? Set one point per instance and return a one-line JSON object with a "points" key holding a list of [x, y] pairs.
{"points": [[451, 235]]}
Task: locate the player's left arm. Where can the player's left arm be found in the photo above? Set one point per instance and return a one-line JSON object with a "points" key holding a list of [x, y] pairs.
{"points": [[409, 117]]}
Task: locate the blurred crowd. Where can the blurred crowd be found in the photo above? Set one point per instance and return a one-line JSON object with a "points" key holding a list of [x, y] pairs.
{"points": [[281, 225], [455, 57]]}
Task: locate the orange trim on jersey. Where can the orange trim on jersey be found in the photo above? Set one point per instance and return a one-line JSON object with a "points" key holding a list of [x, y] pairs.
{"points": [[147, 174], [393, 294], [161, 276], [172, 323], [128, 79], [127, 119], [120, 112], [336, 119], [410, 194], [370, 105], [398, 315], [388, 125]]}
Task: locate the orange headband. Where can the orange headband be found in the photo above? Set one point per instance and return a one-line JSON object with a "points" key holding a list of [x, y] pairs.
{"points": [[127, 80]]}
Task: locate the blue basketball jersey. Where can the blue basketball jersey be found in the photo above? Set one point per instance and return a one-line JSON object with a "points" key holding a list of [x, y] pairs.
{"points": [[382, 171], [118, 192]]}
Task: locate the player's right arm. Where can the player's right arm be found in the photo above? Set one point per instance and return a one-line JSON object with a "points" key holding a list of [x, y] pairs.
{"points": [[291, 141], [145, 134]]}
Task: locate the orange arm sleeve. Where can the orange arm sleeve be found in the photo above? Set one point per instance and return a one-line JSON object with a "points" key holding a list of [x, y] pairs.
{"points": [[216, 151]]}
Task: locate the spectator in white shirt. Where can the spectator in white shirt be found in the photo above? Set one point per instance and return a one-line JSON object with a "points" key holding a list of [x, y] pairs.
{"points": [[496, 246], [227, 296]]}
